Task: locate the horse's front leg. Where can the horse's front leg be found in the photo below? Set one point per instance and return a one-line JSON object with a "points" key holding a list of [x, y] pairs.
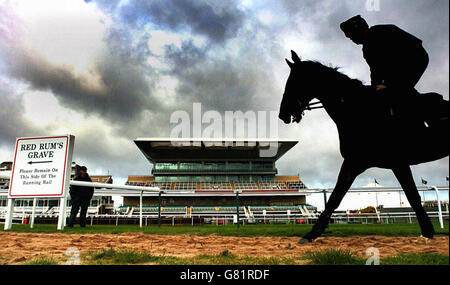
{"points": [[404, 176], [349, 171]]}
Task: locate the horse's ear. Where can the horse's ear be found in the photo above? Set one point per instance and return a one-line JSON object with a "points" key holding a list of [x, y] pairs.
{"points": [[295, 57], [289, 63]]}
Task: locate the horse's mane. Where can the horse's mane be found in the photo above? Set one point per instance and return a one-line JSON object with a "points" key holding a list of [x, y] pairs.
{"points": [[332, 72]]}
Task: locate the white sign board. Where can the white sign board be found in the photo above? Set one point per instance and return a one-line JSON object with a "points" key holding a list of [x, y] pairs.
{"points": [[41, 167]]}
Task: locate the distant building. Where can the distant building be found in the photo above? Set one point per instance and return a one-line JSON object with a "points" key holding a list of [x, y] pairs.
{"points": [[5, 166], [204, 175]]}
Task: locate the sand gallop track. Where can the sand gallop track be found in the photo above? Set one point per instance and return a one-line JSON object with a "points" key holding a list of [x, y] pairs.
{"points": [[16, 248]]}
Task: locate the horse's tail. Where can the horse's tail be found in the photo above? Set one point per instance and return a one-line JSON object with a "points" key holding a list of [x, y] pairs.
{"points": [[434, 108]]}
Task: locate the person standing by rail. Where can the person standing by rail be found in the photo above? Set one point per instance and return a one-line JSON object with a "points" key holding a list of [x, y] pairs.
{"points": [[80, 198]]}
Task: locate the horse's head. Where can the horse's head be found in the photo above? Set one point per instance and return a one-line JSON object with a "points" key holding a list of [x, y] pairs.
{"points": [[295, 102]]}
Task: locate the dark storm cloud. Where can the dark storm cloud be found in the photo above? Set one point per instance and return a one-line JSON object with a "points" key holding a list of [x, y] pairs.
{"points": [[213, 82], [12, 121], [222, 83], [215, 19], [218, 20], [123, 88], [122, 93], [13, 124]]}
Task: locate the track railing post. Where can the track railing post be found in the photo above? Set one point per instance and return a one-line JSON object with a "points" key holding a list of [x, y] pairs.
{"points": [[140, 209], [237, 208], [159, 209], [441, 220]]}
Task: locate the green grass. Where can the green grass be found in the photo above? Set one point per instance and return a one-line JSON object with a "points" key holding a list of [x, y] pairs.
{"points": [[285, 230], [132, 257], [416, 259], [346, 257], [111, 256], [322, 257], [334, 257], [227, 258], [41, 261]]}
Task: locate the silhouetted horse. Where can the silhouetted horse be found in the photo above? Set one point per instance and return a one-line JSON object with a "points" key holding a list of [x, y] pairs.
{"points": [[376, 129]]}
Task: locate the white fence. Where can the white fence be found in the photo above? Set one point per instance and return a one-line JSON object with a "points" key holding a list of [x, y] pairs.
{"points": [[256, 217], [226, 218]]}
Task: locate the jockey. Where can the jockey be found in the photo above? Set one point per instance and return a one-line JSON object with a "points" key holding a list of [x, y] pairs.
{"points": [[396, 58]]}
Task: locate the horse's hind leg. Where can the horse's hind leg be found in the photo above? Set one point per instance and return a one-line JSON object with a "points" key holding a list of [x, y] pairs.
{"points": [[404, 176], [349, 171]]}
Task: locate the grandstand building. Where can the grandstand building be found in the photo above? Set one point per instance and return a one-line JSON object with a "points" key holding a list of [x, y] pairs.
{"points": [[200, 174]]}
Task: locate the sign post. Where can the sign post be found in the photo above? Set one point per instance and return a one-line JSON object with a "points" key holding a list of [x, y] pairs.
{"points": [[9, 213], [33, 213], [41, 169]]}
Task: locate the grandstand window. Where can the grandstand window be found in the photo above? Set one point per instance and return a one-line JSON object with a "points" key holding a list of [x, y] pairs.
{"points": [[239, 166], [244, 178], [166, 166], [184, 178], [256, 178], [196, 179], [262, 165], [190, 166], [166, 179], [268, 178], [220, 178], [214, 166], [233, 178], [208, 178], [214, 178]]}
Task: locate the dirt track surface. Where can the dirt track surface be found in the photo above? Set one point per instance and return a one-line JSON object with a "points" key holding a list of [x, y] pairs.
{"points": [[16, 248]]}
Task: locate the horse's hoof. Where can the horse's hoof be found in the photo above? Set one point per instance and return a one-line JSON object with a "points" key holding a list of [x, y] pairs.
{"points": [[305, 241], [423, 239]]}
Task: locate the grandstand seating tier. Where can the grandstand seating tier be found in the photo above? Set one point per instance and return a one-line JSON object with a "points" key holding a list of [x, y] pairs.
{"points": [[221, 186]]}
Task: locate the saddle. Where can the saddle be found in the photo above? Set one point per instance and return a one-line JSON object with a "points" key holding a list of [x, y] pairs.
{"points": [[414, 109]]}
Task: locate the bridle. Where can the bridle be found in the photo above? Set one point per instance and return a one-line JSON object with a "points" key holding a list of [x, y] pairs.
{"points": [[309, 107]]}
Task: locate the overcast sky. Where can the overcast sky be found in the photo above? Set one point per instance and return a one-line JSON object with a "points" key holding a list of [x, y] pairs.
{"points": [[112, 71]]}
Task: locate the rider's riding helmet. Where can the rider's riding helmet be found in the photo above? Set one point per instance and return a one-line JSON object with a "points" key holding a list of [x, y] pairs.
{"points": [[355, 28]]}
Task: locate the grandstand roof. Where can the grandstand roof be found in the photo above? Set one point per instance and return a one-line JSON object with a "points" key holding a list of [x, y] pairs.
{"points": [[167, 149], [102, 178]]}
